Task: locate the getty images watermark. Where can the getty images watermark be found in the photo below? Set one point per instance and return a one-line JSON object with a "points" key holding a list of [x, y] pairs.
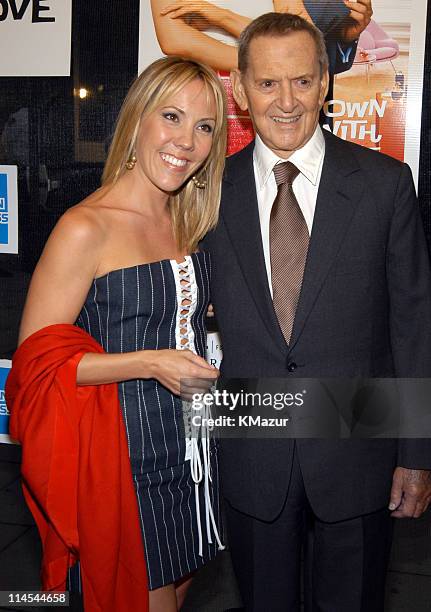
{"points": [[311, 408], [246, 400]]}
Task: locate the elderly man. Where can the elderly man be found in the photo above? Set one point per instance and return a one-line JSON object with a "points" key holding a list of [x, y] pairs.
{"points": [[320, 269]]}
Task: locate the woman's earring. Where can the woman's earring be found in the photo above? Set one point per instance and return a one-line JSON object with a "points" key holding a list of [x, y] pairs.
{"points": [[130, 163], [197, 183]]}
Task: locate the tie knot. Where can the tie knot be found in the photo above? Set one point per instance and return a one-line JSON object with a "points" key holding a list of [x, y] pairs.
{"points": [[286, 172]]}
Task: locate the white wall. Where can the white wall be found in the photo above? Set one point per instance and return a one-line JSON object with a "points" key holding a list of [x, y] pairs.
{"points": [[384, 11]]}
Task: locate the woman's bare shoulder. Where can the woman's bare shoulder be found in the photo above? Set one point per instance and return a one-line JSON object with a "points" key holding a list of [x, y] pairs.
{"points": [[79, 236], [88, 220]]}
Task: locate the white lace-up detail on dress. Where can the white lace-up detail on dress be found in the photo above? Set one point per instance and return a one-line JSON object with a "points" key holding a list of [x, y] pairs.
{"points": [[200, 467], [186, 299]]}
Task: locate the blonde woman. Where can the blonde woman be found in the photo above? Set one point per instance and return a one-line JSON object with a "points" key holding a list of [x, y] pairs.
{"points": [[124, 265]]}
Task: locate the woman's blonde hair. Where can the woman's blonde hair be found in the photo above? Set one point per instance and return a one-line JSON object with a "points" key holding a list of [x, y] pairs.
{"points": [[194, 211]]}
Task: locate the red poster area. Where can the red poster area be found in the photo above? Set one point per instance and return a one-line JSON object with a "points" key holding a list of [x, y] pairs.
{"points": [[392, 126], [240, 127], [376, 123]]}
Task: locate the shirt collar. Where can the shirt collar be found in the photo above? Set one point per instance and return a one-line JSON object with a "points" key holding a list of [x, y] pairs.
{"points": [[308, 159]]}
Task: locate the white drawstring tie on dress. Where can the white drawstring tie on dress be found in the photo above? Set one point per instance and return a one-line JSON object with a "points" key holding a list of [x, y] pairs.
{"points": [[202, 433]]}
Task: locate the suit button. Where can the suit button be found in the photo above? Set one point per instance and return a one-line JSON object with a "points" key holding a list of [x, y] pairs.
{"points": [[291, 366]]}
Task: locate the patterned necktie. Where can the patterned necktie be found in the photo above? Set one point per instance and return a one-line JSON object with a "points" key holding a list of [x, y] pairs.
{"points": [[288, 240]]}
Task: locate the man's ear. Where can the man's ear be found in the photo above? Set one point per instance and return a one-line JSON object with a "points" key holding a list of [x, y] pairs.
{"points": [[324, 87], [238, 90]]}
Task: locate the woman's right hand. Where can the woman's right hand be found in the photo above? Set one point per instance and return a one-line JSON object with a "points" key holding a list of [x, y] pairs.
{"points": [[181, 29], [181, 371], [199, 14], [209, 11]]}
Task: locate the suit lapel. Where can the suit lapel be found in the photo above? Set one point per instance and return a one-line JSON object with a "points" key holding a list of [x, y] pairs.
{"points": [[241, 216], [340, 189]]}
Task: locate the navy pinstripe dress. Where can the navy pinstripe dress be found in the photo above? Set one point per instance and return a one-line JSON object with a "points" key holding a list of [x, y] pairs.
{"points": [[160, 305]]}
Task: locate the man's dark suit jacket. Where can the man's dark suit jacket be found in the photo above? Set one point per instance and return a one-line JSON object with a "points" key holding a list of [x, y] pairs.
{"points": [[364, 311]]}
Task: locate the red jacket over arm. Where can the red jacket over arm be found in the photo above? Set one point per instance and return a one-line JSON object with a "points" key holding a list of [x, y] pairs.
{"points": [[76, 471]]}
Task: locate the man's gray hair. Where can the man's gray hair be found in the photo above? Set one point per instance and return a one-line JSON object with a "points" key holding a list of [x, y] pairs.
{"points": [[280, 24]]}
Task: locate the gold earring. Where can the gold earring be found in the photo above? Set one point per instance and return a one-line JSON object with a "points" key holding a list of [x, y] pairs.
{"points": [[197, 183], [130, 163]]}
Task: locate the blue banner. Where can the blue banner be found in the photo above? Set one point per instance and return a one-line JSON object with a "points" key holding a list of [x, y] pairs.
{"points": [[4, 210]]}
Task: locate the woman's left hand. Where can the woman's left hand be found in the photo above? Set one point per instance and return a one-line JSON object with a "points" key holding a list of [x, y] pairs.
{"points": [[295, 7], [361, 12]]}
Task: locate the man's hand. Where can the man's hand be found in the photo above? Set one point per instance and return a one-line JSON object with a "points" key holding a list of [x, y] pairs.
{"points": [[360, 16], [411, 492]]}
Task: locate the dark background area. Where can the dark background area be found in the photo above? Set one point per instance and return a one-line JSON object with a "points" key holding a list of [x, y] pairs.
{"points": [[424, 188], [59, 141]]}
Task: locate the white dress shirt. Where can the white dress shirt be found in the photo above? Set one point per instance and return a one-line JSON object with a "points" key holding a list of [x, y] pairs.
{"points": [[309, 161]]}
